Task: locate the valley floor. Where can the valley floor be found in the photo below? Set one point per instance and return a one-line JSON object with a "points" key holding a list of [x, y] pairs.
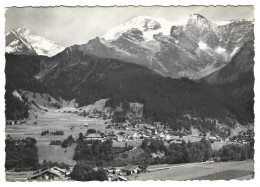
{"points": [[56, 119], [202, 171], [71, 124], [237, 170]]}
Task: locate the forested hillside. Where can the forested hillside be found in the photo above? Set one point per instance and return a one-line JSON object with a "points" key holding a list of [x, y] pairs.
{"points": [[88, 78]]}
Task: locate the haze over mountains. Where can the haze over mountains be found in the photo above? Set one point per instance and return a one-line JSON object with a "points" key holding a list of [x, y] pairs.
{"points": [[134, 61]]}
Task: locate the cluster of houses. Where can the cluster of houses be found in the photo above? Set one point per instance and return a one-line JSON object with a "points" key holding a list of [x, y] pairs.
{"points": [[158, 132], [56, 174], [125, 136], [214, 139], [12, 122], [243, 137], [120, 173], [123, 126], [93, 114]]}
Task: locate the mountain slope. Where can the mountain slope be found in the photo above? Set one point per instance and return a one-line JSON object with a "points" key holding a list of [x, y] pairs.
{"points": [[87, 78], [194, 50], [20, 71], [237, 78], [241, 63], [21, 41]]}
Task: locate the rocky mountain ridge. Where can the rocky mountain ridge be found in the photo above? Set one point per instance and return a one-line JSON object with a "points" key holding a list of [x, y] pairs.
{"points": [[22, 41]]}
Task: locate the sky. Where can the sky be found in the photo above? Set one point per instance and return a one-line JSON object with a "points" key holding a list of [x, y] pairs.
{"points": [[77, 25]]}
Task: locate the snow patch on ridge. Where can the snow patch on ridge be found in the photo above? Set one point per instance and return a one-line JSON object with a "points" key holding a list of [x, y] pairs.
{"points": [[234, 51], [220, 50], [34, 43], [16, 94], [203, 46], [148, 25]]}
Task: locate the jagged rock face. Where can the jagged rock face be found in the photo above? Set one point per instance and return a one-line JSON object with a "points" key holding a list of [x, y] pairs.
{"points": [[235, 34], [175, 31], [199, 29], [150, 25], [133, 34], [194, 50], [18, 45], [21, 41], [240, 64]]}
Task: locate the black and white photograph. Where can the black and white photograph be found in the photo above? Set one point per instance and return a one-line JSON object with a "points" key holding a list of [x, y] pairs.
{"points": [[129, 93]]}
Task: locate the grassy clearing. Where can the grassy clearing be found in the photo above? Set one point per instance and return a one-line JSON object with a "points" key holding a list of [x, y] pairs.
{"points": [[56, 153], [183, 172], [17, 176], [226, 175]]}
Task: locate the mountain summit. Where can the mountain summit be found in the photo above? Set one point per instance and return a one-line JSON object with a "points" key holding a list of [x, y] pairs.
{"points": [[146, 24], [22, 41], [193, 50]]}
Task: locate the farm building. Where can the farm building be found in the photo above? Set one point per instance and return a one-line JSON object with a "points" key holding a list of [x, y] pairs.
{"points": [[10, 122], [112, 170], [121, 136], [94, 136], [116, 178], [131, 169], [111, 136], [53, 173]]}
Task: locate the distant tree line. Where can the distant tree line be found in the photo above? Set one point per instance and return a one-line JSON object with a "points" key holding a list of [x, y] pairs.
{"points": [[55, 142], [57, 132], [175, 153], [97, 153], [236, 152]]}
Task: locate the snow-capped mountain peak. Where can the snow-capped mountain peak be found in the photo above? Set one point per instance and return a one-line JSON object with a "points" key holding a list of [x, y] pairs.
{"points": [[195, 49], [22, 41], [148, 25], [199, 21]]}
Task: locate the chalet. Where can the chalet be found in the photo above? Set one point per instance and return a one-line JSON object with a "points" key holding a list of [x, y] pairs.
{"points": [[120, 136], [54, 173], [167, 137], [117, 178], [112, 170], [94, 136], [111, 136], [44, 133], [136, 136], [63, 172], [8, 137], [146, 135], [175, 141], [10, 122], [131, 169]]}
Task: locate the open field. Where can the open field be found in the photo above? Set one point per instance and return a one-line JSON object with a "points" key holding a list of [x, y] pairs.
{"points": [[71, 124], [52, 120], [201, 171], [56, 153], [226, 175], [17, 176]]}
